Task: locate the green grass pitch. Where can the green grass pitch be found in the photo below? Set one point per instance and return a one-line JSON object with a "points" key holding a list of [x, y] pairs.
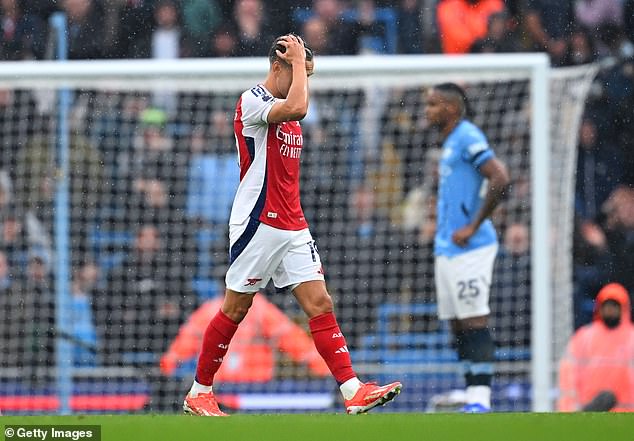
{"points": [[329, 427]]}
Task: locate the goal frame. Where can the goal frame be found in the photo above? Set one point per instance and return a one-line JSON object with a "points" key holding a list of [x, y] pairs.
{"points": [[353, 71]]}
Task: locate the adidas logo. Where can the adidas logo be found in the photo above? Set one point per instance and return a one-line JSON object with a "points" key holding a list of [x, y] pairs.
{"points": [[342, 350], [221, 346], [337, 335]]}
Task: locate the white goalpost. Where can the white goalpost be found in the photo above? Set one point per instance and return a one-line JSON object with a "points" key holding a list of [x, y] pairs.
{"points": [[152, 164]]}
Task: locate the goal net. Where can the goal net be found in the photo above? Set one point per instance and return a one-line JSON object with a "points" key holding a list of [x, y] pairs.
{"points": [[116, 181]]}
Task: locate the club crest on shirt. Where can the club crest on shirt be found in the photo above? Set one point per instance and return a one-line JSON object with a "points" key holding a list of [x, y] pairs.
{"points": [[252, 281]]}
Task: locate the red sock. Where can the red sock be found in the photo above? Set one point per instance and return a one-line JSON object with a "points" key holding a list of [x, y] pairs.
{"points": [[215, 344], [331, 344]]}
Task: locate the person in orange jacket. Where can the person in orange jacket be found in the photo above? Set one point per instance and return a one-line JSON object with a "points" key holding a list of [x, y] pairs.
{"points": [[597, 370], [462, 22], [252, 357]]}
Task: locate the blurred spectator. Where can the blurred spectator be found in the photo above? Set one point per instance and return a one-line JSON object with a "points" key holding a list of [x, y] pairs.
{"points": [[156, 157], [613, 38], [12, 324], [135, 27], [6, 278], [342, 34], [252, 359], [592, 14], [462, 22], [417, 245], [35, 189], [511, 289], [20, 233], [14, 104], [598, 170], [372, 32], [85, 30], [619, 228], [498, 37], [200, 21], [597, 176], [628, 16], [83, 329], [23, 34], [147, 299], [282, 14], [110, 126], [604, 250], [370, 249], [581, 48], [547, 25], [167, 43], [253, 38], [364, 215], [213, 176], [410, 34], [41, 8], [592, 263], [599, 358], [315, 34], [6, 196], [224, 42], [177, 231], [167, 35], [36, 316]]}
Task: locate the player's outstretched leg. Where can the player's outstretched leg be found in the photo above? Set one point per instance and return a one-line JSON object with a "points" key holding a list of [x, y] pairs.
{"points": [[371, 395], [202, 404], [331, 344], [201, 400]]}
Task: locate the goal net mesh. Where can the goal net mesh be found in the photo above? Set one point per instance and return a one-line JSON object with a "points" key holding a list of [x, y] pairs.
{"points": [[153, 171]]}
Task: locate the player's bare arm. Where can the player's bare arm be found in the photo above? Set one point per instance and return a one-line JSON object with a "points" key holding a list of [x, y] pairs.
{"points": [[498, 177], [295, 105]]}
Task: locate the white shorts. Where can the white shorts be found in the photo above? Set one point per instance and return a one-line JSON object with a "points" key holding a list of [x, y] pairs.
{"points": [[260, 253], [463, 283]]}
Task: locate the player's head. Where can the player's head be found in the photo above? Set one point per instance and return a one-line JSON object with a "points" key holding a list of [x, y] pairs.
{"points": [[445, 102], [280, 70]]}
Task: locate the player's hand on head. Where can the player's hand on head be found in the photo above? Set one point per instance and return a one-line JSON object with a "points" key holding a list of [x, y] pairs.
{"points": [[295, 52], [310, 67]]}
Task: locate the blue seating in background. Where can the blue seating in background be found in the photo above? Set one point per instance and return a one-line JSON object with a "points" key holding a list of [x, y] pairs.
{"points": [[388, 345], [213, 181], [385, 16], [109, 247], [110, 250]]}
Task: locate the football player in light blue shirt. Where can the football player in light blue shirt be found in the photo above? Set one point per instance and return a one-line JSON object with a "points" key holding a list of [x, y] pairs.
{"points": [[472, 183]]}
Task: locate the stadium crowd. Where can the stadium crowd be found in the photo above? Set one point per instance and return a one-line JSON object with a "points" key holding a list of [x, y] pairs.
{"points": [[157, 156]]}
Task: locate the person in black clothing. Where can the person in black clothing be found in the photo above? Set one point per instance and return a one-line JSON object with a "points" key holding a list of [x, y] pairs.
{"points": [[85, 30], [147, 299], [499, 38], [22, 35], [28, 326]]}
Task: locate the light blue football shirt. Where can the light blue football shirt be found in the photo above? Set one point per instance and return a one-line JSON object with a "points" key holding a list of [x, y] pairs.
{"points": [[462, 189]]}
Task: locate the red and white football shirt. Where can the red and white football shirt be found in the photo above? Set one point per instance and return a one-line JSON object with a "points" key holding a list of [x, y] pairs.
{"points": [[269, 157]]}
